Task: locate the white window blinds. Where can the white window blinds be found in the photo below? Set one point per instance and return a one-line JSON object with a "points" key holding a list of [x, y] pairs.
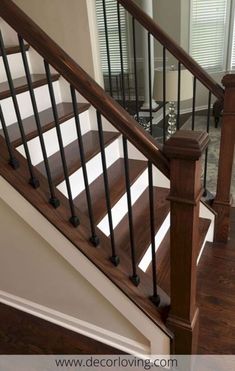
{"points": [[113, 36], [232, 62], [208, 41]]}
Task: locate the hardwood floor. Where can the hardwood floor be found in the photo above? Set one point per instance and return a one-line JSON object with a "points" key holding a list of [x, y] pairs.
{"points": [[216, 297], [22, 333]]}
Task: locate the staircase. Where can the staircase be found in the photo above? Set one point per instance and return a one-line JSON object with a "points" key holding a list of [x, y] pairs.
{"points": [[106, 180]]}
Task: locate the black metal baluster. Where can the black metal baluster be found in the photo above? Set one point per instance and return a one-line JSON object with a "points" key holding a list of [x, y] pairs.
{"points": [[194, 101], [164, 94], [135, 70], [114, 258], [206, 152], [150, 85], [178, 97], [107, 48], [94, 238], [134, 278], [53, 199], [121, 57], [74, 219], [12, 161], [33, 180], [155, 297]]}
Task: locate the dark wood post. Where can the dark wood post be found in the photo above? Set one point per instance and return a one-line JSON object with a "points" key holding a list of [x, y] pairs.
{"points": [[184, 150], [222, 201]]}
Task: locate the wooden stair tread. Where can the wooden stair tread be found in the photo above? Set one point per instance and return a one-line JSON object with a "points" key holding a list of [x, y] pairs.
{"points": [[21, 85], [65, 112], [116, 176], [91, 148], [14, 49], [163, 256], [141, 222]]}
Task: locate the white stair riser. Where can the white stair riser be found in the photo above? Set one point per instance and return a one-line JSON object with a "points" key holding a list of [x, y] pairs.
{"points": [[159, 179], [25, 105], [105, 123], [94, 170], [16, 67], [121, 209], [69, 134], [147, 258]]}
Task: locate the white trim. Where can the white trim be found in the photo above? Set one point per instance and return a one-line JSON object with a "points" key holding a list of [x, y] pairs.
{"points": [[74, 324], [95, 48], [159, 340], [189, 110], [230, 35]]}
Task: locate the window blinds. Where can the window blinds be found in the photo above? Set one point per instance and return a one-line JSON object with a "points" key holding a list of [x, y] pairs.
{"points": [[209, 33], [232, 62], [113, 36]]}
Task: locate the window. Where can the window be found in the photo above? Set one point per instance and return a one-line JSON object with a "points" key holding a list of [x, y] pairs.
{"points": [[232, 39], [113, 36], [209, 33]]}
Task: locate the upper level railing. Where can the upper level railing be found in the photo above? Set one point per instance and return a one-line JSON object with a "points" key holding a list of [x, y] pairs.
{"points": [[179, 159], [185, 90], [178, 52]]}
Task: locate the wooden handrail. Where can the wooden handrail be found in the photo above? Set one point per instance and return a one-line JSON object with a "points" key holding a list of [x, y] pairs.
{"points": [[83, 83], [178, 52]]}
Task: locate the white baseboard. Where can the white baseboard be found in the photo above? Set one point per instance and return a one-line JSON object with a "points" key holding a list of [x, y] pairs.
{"points": [[74, 324]]}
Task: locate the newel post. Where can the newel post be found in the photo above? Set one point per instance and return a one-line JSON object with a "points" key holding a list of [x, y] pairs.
{"points": [[184, 149], [222, 201]]}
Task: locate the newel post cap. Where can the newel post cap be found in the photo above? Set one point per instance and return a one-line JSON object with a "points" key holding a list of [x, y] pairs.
{"points": [[186, 145], [228, 80]]}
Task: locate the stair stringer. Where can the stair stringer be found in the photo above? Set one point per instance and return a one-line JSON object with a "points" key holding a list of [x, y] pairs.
{"points": [[159, 341]]}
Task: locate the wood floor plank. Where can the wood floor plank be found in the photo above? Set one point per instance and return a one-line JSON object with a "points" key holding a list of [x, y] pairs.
{"points": [[117, 186], [21, 85], [91, 148], [65, 112], [141, 222]]}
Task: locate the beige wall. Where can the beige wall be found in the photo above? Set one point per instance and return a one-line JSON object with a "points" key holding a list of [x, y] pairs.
{"points": [[184, 24], [167, 15], [67, 23]]}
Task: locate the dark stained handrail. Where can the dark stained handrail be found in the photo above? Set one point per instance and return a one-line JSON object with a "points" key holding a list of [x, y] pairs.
{"points": [[179, 53], [83, 83]]}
